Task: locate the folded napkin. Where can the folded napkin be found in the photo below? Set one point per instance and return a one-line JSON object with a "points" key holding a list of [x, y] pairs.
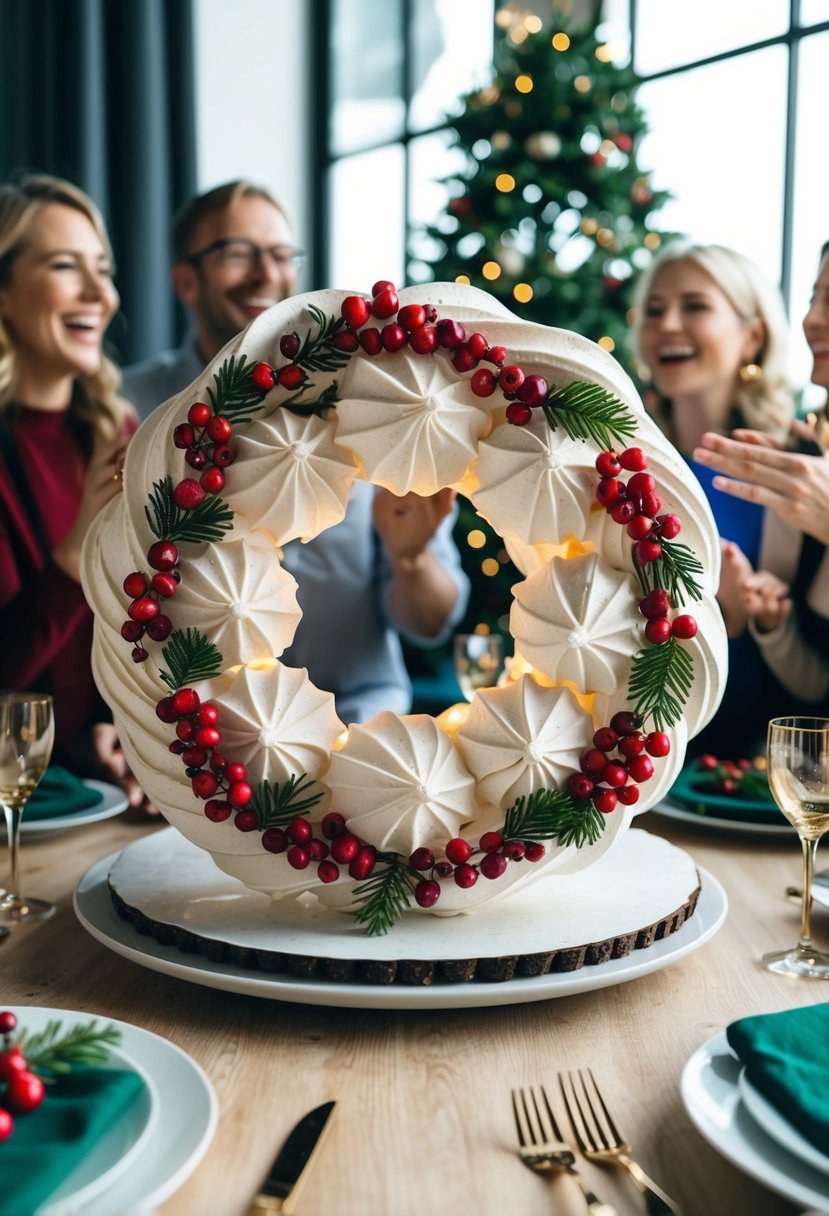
{"points": [[786, 1057], [47, 1144], [60, 793]]}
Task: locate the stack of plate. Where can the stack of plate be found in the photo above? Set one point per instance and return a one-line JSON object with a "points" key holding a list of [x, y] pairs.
{"points": [[741, 1124]]}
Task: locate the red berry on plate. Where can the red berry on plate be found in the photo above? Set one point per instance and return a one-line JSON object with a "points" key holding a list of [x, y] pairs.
{"points": [[24, 1091]]}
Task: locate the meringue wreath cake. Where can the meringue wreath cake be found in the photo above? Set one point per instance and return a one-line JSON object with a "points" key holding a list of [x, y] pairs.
{"points": [[620, 650]]}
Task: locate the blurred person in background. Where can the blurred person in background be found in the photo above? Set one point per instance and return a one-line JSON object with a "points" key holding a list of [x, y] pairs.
{"points": [[63, 433]]}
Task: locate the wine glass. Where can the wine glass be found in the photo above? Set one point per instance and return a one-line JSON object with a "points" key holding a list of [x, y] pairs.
{"points": [[479, 661], [798, 770], [27, 732]]}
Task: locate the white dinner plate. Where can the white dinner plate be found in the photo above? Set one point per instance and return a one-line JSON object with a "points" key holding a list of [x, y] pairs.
{"points": [[162, 1151], [114, 802], [681, 814], [779, 1128], [711, 1095], [94, 909]]}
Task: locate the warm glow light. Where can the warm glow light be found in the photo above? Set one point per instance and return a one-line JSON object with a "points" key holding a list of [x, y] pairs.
{"points": [[524, 84], [582, 84], [482, 630], [532, 24], [560, 42], [605, 237], [490, 94], [653, 240], [607, 147], [491, 270], [505, 182], [630, 316], [518, 35], [604, 53], [522, 292], [463, 278], [589, 226], [607, 343], [263, 664], [476, 539], [453, 718], [503, 18], [490, 567]]}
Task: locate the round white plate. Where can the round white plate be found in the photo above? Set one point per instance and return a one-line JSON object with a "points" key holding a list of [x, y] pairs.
{"points": [[681, 814], [711, 1095], [779, 1128], [115, 801], [161, 1154], [94, 909], [117, 1149]]}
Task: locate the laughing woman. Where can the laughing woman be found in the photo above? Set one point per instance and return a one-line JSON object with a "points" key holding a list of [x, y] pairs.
{"points": [[63, 431], [712, 333]]}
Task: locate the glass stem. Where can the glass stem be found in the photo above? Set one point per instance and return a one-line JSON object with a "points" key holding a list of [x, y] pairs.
{"points": [[13, 817], [809, 851]]}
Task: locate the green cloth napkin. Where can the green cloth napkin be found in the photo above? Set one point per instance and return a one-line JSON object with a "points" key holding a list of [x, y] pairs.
{"points": [[786, 1057], [60, 793], [47, 1144]]}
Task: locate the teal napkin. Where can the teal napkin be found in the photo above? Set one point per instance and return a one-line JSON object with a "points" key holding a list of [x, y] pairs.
{"points": [[786, 1057], [47, 1144], [60, 793]]}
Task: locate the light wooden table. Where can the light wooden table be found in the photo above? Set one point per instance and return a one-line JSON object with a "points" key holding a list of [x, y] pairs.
{"points": [[423, 1125]]}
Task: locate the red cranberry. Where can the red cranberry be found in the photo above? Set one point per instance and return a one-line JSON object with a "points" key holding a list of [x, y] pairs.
{"points": [[239, 794], [393, 337], [639, 527], [159, 628], [356, 311], [633, 745], [593, 762], [219, 429], [363, 862], [212, 480], [669, 526], [533, 391], [625, 723], [622, 512], [493, 865], [132, 631], [609, 492], [655, 604], [424, 341], [484, 383], [633, 459], [162, 555], [371, 341], [385, 303], [195, 459], [184, 436], [298, 857], [463, 360], [205, 784], [518, 413], [647, 551], [332, 824], [659, 631], [422, 859], [478, 345], [649, 504], [382, 285], [511, 378], [135, 584], [496, 355], [343, 339], [450, 334], [608, 464], [605, 739], [344, 848], [580, 786], [640, 768], [427, 893], [328, 871], [299, 830], [411, 316], [465, 876], [143, 609], [535, 852], [185, 702], [514, 850], [614, 774], [657, 743], [274, 840], [165, 710], [246, 821], [490, 842], [458, 850], [223, 455], [164, 585], [640, 484], [628, 794], [263, 376], [200, 413], [605, 801], [684, 627], [289, 345]]}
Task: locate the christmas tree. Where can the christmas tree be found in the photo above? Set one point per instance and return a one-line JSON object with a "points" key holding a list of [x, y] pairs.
{"points": [[551, 214]]}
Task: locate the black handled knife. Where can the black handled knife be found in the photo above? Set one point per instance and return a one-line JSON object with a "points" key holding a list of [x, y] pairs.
{"points": [[293, 1163]]}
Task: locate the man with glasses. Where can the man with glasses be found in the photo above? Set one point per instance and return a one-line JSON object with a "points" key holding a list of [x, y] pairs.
{"points": [[233, 257], [390, 564]]}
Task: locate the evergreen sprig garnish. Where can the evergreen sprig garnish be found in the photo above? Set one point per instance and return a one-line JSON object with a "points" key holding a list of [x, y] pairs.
{"points": [[328, 397], [276, 804], [207, 522], [316, 354], [235, 396], [676, 572], [386, 895], [190, 657], [51, 1051], [660, 681], [553, 815], [587, 411]]}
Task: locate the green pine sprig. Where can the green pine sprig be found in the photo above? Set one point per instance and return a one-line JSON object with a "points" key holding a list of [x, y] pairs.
{"points": [[52, 1051], [327, 398], [190, 657], [553, 815], [676, 571], [660, 682], [317, 354], [207, 522], [587, 411], [235, 396], [386, 895], [277, 804]]}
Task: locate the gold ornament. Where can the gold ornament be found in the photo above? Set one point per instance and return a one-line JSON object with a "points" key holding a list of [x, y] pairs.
{"points": [[750, 373]]}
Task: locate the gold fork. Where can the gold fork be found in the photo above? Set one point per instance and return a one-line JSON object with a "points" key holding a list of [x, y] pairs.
{"points": [[600, 1140], [541, 1145]]}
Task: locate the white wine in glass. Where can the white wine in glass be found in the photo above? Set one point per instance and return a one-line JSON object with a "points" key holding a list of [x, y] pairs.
{"points": [[479, 661], [27, 732], [798, 771]]}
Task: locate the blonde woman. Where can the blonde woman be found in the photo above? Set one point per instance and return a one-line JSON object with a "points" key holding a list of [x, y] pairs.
{"points": [[63, 431], [711, 332]]}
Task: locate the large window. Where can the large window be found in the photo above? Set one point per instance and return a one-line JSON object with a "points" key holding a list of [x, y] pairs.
{"points": [[734, 92]]}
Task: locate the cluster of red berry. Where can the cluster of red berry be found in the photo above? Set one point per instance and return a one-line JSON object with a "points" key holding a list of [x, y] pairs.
{"points": [[24, 1090], [211, 773], [607, 780], [205, 439], [301, 847], [495, 851], [146, 593]]}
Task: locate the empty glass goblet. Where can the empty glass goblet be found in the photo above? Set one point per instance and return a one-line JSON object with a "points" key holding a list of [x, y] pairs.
{"points": [[27, 731], [798, 770], [479, 661]]}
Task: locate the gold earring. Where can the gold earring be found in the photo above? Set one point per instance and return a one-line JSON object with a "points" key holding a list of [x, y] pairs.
{"points": [[750, 373]]}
